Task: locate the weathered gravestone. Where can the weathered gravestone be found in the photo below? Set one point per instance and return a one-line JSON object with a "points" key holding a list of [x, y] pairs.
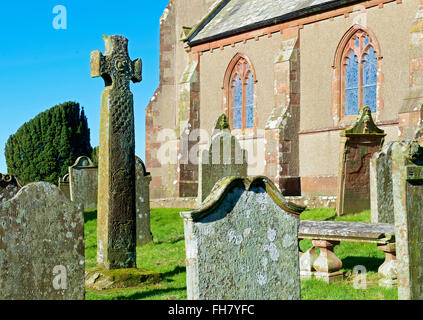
{"points": [[381, 189], [407, 181], [143, 179], [116, 232], [9, 187], [41, 245], [64, 185], [83, 181], [242, 243], [224, 158], [360, 142]]}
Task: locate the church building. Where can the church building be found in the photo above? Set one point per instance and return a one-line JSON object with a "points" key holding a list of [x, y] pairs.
{"points": [[290, 75]]}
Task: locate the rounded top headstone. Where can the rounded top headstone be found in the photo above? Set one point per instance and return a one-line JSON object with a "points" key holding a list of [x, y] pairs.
{"points": [[83, 162]]}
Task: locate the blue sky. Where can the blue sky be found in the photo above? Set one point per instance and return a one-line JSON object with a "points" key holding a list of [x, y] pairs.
{"points": [[41, 66]]}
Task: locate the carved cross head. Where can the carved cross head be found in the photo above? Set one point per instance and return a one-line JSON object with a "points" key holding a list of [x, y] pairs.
{"points": [[115, 66]]}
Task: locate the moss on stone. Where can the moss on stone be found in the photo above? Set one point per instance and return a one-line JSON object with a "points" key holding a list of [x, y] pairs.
{"points": [[100, 279]]}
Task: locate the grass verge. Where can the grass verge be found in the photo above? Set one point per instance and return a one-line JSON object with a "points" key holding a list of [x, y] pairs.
{"points": [[167, 255]]}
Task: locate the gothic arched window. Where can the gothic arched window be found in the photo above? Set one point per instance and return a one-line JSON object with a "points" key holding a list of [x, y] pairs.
{"points": [[240, 81], [359, 73]]}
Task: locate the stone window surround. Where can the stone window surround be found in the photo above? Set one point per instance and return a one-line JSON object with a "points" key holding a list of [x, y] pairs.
{"points": [[227, 95], [338, 86]]}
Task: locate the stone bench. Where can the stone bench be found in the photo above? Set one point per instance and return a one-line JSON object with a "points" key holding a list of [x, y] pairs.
{"points": [[325, 235]]}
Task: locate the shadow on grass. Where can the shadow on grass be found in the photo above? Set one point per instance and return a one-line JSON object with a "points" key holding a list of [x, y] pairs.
{"points": [[146, 294], [170, 241], [90, 215], [175, 271], [371, 264], [332, 218]]}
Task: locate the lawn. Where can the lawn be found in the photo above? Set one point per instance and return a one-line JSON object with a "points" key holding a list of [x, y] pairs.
{"points": [[167, 255]]}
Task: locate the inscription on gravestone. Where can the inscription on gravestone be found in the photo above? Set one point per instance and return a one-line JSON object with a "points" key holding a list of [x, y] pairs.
{"points": [[242, 243], [41, 245], [116, 233]]}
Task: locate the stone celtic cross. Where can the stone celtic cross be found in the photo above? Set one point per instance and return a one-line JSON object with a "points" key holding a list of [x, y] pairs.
{"points": [[116, 233]]}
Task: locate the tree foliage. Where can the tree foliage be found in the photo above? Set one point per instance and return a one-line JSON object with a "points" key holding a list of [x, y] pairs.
{"points": [[44, 147], [94, 155]]}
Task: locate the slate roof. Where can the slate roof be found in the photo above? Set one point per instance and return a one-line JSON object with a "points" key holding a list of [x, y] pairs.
{"points": [[232, 16]]}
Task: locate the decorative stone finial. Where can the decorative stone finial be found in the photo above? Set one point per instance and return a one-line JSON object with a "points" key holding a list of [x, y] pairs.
{"points": [[363, 125]]}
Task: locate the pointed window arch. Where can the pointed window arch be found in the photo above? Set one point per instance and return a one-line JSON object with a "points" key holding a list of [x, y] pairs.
{"points": [[239, 88], [357, 73]]}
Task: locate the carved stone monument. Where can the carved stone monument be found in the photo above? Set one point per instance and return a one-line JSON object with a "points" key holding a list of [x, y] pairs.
{"points": [[242, 243], [83, 180], [360, 142], [9, 187], [116, 231], [224, 158], [407, 181], [143, 179], [41, 246]]}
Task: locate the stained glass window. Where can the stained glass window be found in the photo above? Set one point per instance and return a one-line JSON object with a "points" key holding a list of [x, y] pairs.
{"points": [[370, 79], [351, 85], [242, 99], [249, 105], [360, 74], [237, 105]]}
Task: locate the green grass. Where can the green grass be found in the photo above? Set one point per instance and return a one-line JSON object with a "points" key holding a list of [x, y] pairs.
{"points": [[167, 255]]}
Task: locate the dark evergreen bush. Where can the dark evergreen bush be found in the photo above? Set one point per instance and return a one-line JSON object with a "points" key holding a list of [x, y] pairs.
{"points": [[44, 147]]}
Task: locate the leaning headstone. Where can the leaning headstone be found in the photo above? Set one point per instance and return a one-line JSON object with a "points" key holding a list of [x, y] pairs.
{"points": [[9, 187], [224, 158], [83, 178], [41, 246], [116, 243], [64, 185], [360, 142], [143, 179], [407, 181], [242, 243]]}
